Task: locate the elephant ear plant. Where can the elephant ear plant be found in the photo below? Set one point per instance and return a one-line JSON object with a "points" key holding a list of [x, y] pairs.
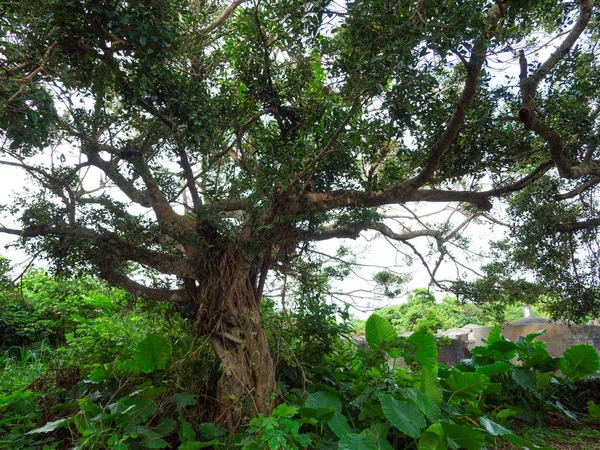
{"points": [[537, 378], [377, 403]]}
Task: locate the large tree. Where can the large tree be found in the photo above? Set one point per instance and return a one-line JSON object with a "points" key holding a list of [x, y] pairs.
{"points": [[225, 137]]}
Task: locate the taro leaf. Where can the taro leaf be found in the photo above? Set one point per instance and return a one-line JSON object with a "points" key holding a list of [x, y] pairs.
{"points": [[339, 425], [433, 438], [493, 428], [524, 379], [594, 410], [542, 360], [404, 416], [427, 407], [427, 353], [430, 385], [564, 410], [506, 348], [377, 436], [323, 399], [494, 369], [580, 361], [531, 336], [152, 353], [353, 441], [462, 436], [466, 385], [51, 426], [98, 375], [495, 335], [378, 330]]}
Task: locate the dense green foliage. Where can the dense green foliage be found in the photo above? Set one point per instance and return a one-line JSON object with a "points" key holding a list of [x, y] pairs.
{"points": [[152, 390]]}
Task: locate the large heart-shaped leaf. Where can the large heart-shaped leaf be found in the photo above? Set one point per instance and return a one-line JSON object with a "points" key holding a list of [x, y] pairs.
{"points": [[427, 406], [430, 385], [378, 330], [339, 425], [404, 416], [323, 399], [580, 361], [152, 353], [353, 441], [426, 353], [466, 385], [377, 436], [494, 369]]}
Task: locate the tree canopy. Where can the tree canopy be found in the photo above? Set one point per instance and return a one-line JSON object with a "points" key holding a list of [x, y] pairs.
{"points": [[183, 150]]}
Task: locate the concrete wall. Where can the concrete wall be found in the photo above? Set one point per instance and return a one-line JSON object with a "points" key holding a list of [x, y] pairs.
{"points": [[558, 336]]}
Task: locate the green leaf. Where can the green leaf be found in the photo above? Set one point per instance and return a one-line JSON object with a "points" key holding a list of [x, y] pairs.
{"points": [[505, 413], [466, 385], [531, 336], [323, 399], [580, 361], [98, 375], [433, 438], [427, 353], [463, 436], [524, 379], [152, 353], [594, 410], [378, 330], [316, 413], [493, 428], [494, 369], [427, 406], [200, 445], [211, 431], [186, 432], [495, 335], [522, 443], [156, 443], [404, 416], [183, 399], [377, 436], [430, 385], [353, 441], [339, 425], [51, 426]]}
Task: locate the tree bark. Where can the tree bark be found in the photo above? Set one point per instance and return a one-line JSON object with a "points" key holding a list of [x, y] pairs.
{"points": [[229, 314]]}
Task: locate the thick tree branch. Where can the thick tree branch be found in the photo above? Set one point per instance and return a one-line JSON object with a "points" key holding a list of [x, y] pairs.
{"points": [[579, 189], [223, 17], [521, 184], [111, 246], [568, 227], [353, 232], [529, 86]]}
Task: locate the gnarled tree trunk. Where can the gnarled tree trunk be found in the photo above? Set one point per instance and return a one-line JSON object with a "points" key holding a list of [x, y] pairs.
{"points": [[229, 315]]}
